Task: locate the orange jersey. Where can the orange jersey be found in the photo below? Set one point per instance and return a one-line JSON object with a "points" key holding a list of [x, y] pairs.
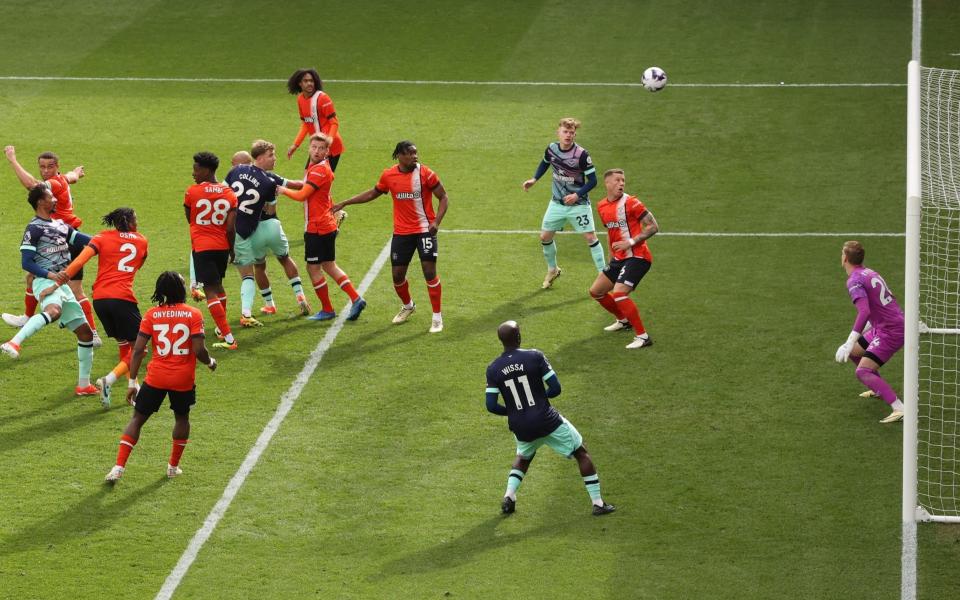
{"points": [[622, 219], [63, 205], [209, 205], [121, 256], [412, 197], [316, 112], [171, 329], [316, 208]]}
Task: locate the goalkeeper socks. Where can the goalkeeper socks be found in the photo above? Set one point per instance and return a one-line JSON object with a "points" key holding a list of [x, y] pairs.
{"points": [[871, 378], [596, 252], [88, 312], [347, 287], [33, 325], [85, 357], [267, 295], [296, 285], [29, 303], [320, 287], [629, 311], [435, 291], [124, 449], [513, 483], [403, 290], [592, 483], [610, 304], [176, 451], [248, 289], [550, 253]]}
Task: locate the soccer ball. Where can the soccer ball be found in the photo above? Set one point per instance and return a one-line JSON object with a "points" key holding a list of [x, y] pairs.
{"points": [[654, 79]]}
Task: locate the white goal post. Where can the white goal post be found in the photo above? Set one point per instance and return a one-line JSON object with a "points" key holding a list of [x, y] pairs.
{"points": [[931, 378]]}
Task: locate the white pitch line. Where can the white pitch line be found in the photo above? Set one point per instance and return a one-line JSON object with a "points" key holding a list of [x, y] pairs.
{"points": [[451, 82], [253, 456], [705, 234]]}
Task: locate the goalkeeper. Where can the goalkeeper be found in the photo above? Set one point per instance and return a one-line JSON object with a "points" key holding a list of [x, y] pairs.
{"points": [[868, 352]]}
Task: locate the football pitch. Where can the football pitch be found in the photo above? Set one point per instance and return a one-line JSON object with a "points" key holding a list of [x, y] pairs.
{"points": [[740, 457]]}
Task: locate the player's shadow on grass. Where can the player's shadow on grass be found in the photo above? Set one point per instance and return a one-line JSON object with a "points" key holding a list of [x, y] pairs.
{"points": [[483, 537], [54, 403], [90, 514], [53, 427], [457, 327]]}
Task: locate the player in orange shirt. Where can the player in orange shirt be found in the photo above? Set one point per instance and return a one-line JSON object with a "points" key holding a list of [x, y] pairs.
{"points": [[211, 211], [320, 232], [317, 113], [176, 332], [415, 225], [122, 251], [59, 185], [629, 225]]}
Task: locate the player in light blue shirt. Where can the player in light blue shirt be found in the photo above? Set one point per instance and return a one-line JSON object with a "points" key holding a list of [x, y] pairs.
{"points": [[573, 177]]}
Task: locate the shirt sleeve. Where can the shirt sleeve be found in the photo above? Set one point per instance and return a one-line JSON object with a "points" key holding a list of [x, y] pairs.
{"points": [[431, 178], [231, 197], [31, 236], [491, 382], [95, 242], [856, 290], [146, 325], [196, 324], [325, 107], [586, 163], [383, 185], [317, 177], [545, 367], [638, 211]]}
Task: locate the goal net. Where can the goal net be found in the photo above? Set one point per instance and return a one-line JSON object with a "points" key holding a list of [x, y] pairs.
{"points": [[938, 354]]}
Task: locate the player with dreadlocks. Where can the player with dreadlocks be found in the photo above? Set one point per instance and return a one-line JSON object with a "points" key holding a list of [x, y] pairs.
{"points": [[122, 251], [176, 332]]}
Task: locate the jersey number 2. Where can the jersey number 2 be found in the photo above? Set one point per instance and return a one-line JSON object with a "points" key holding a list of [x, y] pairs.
{"points": [[244, 205], [885, 296], [123, 263], [526, 391]]}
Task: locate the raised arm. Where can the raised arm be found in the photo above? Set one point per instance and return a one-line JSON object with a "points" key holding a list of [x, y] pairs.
{"points": [[366, 196], [26, 179], [74, 175]]}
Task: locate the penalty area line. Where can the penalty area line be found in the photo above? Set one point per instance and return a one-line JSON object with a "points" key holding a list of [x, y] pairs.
{"points": [[703, 234], [287, 400]]}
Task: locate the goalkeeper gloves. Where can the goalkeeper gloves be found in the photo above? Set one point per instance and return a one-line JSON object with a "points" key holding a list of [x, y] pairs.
{"points": [[843, 352]]}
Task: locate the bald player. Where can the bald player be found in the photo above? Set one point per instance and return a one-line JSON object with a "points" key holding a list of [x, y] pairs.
{"points": [[527, 381]]}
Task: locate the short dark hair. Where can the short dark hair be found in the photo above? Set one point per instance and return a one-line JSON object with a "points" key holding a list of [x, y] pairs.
{"points": [[170, 289], [36, 193], [293, 84], [854, 252], [120, 219], [403, 147], [207, 160], [49, 155]]}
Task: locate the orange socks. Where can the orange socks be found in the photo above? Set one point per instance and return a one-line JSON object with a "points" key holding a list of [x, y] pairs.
{"points": [[320, 287], [629, 311], [434, 290], [123, 451]]}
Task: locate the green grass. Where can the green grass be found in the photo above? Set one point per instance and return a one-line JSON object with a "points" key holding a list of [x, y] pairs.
{"points": [[741, 458]]}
